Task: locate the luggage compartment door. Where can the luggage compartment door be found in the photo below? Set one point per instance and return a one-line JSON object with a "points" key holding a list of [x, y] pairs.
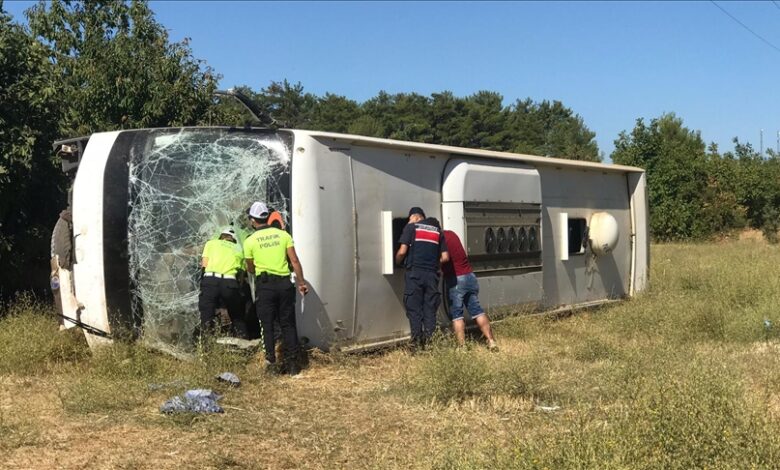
{"points": [[496, 210]]}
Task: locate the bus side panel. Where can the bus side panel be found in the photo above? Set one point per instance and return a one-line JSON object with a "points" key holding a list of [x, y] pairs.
{"points": [[340, 193], [519, 290], [388, 180], [323, 231], [583, 278], [637, 184]]}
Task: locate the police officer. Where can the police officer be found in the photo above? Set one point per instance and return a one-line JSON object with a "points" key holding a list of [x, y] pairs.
{"points": [[221, 262], [275, 219], [267, 252], [422, 249]]}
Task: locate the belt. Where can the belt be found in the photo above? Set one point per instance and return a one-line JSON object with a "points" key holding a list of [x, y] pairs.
{"points": [[424, 270], [276, 276], [223, 276]]}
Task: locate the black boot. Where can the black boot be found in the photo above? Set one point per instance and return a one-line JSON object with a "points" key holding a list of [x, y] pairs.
{"points": [[273, 369], [293, 368]]}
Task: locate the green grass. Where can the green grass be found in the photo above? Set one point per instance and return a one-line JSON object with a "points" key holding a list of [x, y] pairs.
{"points": [[683, 413], [686, 375], [121, 377], [682, 377], [30, 341], [448, 375]]}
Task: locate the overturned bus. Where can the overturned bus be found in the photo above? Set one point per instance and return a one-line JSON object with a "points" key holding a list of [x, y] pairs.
{"points": [[541, 233]]}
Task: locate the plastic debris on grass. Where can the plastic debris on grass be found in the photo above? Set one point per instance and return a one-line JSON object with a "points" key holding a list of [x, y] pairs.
{"points": [[193, 401], [229, 378], [548, 409]]}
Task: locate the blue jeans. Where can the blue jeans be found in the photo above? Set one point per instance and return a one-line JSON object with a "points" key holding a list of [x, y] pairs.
{"points": [[464, 292]]}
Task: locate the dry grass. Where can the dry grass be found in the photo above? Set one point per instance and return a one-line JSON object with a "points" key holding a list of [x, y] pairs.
{"points": [[685, 376]]}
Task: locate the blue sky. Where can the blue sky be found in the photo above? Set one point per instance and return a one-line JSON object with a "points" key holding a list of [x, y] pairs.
{"points": [[610, 62]]}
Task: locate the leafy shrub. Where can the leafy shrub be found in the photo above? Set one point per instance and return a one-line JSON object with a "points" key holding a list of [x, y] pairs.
{"points": [[771, 224]]}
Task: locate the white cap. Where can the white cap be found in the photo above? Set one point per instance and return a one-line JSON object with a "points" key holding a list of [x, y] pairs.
{"points": [[258, 210], [229, 231]]}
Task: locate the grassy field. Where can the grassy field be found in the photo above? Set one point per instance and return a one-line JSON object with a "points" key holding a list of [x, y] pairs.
{"points": [[685, 376]]}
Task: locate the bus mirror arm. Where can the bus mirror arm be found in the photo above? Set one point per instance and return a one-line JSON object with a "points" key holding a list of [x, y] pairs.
{"points": [[250, 106]]}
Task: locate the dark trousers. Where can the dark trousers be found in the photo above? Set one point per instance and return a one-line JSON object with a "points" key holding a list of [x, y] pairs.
{"points": [[215, 292], [422, 299], [250, 316], [275, 302]]}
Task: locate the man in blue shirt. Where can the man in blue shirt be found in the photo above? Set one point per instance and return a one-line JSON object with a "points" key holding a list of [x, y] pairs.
{"points": [[422, 250]]}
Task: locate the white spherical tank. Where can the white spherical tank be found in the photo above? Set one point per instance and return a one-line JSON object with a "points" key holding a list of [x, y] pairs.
{"points": [[603, 233]]}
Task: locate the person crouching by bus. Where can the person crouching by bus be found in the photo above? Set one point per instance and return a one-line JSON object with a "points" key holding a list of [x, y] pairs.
{"points": [[221, 261], [267, 252], [422, 248], [463, 291]]}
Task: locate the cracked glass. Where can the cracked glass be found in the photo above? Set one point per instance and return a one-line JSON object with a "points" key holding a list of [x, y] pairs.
{"points": [[185, 185]]}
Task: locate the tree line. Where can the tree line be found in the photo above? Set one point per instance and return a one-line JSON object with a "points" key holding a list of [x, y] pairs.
{"points": [[546, 128], [82, 67], [694, 190]]}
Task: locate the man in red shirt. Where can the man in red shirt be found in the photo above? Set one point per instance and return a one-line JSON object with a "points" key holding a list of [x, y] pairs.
{"points": [[463, 290]]}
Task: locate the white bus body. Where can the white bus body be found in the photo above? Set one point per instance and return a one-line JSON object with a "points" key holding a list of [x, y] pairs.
{"points": [[145, 201]]}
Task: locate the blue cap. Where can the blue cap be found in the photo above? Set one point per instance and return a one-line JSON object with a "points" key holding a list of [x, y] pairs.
{"points": [[416, 210]]}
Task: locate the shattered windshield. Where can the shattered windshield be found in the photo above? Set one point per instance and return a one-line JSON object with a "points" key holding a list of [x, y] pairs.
{"points": [[185, 185]]}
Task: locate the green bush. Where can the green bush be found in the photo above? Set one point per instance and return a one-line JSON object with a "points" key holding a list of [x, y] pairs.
{"points": [[771, 224]]}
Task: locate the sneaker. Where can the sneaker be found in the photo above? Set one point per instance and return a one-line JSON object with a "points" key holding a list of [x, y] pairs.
{"points": [[492, 346]]}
